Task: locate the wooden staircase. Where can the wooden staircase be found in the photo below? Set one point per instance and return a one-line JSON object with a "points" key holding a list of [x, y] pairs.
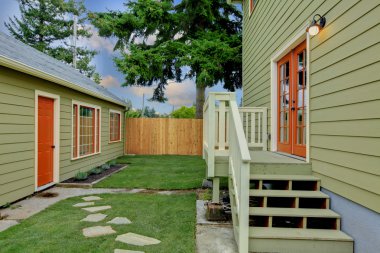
{"points": [[289, 214], [276, 203]]}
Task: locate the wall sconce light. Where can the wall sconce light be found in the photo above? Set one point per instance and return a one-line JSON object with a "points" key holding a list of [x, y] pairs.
{"points": [[314, 27]]}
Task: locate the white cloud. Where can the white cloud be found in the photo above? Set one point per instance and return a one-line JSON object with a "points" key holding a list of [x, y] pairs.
{"points": [[110, 82], [180, 94], [140, 90], [96, 42]]}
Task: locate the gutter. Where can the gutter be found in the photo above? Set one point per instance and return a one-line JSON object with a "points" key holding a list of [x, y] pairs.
{"points": [[21, 67]]}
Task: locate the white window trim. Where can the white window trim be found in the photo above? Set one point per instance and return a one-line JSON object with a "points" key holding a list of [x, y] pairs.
{"points": [[109, 125], [291, 44], [80, 103], [56, 138]]}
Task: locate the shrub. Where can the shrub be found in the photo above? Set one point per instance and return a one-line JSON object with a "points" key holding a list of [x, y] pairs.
{"points": [[95, 171], [80, 176], [112, 163], [105, 166]]}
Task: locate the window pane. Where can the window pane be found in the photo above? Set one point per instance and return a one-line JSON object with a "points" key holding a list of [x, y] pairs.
{"points": [[75, 131], [300, 61], [114, 126], [87, 130], [299, 117], [299, 135], [300, 98]]}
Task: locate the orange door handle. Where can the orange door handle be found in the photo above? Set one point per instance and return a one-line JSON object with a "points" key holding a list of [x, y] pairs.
{"points": [[53, 146]]}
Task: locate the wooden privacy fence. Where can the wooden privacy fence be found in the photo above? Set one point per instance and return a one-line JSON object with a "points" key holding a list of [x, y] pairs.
{"points": [[163, 136]]}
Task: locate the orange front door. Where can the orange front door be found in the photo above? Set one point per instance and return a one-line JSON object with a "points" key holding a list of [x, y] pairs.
{"points": [[292, 102], [45, 141]]}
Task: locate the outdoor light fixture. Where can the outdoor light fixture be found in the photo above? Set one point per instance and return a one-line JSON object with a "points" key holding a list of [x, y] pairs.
{"points": [[314, 27]]}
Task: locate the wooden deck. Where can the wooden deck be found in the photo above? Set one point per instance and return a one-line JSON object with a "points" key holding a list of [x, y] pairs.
{"points": [[266, 162]]}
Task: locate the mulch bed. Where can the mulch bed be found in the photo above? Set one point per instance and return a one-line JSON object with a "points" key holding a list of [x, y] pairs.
{"points": [[94, 177]]}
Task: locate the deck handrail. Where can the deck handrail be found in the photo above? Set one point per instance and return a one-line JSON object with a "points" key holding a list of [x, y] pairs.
{"points": [[225, 135], [239, 171], [215, 128]]}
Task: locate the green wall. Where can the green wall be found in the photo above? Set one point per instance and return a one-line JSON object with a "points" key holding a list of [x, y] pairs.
{"points": [[17, 139], [344, 80]]}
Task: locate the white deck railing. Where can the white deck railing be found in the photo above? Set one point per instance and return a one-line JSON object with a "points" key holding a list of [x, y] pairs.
{"points": [[255, 126], [229, 131], [239, 171], [216, 123], [215, 128]]}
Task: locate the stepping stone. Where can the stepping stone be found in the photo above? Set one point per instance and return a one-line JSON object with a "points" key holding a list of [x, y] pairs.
{"points": [[135, 239], [96, 208], [127, 251], [91, 198], [98, 231], [119, 221], [84, 204], [94, 217]]}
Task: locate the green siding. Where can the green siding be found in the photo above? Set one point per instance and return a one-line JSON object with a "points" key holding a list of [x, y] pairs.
{"points": [[344, 86], [17, 139]]}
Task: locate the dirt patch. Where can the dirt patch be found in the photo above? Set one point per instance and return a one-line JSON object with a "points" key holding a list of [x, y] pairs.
{"points": [[3, 217], [47, 195], [94, 177]]}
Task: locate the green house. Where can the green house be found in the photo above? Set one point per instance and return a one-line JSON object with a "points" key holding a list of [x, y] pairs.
{"points": [[54, 121], [302, 155]]}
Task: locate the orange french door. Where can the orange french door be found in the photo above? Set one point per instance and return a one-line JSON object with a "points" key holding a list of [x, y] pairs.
{"points": [[45, 141], [292, 102]]}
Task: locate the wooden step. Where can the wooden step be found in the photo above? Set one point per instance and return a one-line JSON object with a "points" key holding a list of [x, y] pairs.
{"points": [[295, 240], [293, 212], [284, 182], [294, 218], [287, 193], [289, 199], [283, 177]]}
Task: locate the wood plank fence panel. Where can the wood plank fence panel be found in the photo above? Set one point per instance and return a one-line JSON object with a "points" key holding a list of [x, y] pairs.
{"points": [[163, 136]]}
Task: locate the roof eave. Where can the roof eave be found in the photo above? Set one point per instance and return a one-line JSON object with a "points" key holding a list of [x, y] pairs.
{"points": [[16, 65]]}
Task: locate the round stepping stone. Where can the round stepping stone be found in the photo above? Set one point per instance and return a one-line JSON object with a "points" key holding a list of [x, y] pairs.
{"points": [[91, 198], [98, 231], [127, 251], [120, 221], [83, 204], [94, 217], [136, 239], [96, 208]]}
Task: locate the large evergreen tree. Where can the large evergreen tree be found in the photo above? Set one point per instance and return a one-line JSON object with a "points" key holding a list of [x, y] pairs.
{"points": [[161, 41], [47, 25]]}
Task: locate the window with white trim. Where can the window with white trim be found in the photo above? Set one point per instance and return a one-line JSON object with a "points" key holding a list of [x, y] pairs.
{"points": [[115, 126], [86, 130]]}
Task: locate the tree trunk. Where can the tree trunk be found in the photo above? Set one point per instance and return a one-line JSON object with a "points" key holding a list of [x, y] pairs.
{"points": [[200, 100]]}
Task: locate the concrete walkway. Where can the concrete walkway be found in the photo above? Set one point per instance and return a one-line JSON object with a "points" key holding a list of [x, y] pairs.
{"points": [[213, 237], [25, 208]]}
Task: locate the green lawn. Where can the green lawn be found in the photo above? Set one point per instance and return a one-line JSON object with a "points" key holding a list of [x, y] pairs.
{"points": [[158, 172], [170, 219]]}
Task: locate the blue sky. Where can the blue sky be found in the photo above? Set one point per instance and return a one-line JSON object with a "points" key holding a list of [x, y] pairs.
{"points": [[178, 94]]}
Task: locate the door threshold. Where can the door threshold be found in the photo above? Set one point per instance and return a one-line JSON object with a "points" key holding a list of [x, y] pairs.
{"points": [[41, 188], [291, 156]]}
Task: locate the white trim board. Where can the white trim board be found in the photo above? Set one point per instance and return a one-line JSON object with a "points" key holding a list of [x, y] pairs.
{"points": [[96, 107], [56, 138], [286, 48], [109, 125]]}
